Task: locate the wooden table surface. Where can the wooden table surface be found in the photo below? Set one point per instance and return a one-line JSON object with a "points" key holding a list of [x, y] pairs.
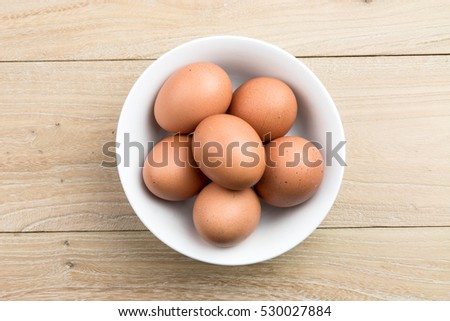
{"points": [[66, 228]]}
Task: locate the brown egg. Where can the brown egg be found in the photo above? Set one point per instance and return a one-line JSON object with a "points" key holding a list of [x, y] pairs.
{"points": [[170, 171], [229, 151], [224, 217], [293, 172], [191, 94], [267, 104]]}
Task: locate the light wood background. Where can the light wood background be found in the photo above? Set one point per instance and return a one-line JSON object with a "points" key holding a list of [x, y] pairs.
{"points": [[66, 228]]}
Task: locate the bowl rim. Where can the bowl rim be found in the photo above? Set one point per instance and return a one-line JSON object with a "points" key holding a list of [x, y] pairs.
{"points": [[286, 55]]}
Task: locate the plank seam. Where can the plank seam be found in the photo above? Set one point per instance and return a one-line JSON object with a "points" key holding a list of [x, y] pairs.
{"points": [[320, 228], [299, 57]]}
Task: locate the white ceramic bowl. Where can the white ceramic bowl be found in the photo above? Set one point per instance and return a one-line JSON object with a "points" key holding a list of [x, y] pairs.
{"points": [[243, 58]]}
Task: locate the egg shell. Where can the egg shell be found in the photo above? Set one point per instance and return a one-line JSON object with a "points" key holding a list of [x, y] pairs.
{"points": [[225, 217], [191, 94], [267, 104], [170, 171], [229, 151], [294, 171]]}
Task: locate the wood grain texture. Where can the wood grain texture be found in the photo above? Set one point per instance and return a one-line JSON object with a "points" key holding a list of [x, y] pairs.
{"points": [[55, 119], [57, 116], [396, 119], [343, 264], [67, 231], [75, 30]]}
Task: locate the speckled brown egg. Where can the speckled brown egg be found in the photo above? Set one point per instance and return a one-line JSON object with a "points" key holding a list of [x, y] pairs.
{"points": [[229, 151], [191, 94], [267, 104], [224, 217], [170, 171], [294, 171]]}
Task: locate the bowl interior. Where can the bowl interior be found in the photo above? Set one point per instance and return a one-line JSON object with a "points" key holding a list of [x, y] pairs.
{"points": [[279, 229]]}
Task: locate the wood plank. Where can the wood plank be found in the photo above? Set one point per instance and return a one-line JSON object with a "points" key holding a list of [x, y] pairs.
{"points": [[74, 30], [56, 116], [55, 119], [396, 118], [342, 264]]}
